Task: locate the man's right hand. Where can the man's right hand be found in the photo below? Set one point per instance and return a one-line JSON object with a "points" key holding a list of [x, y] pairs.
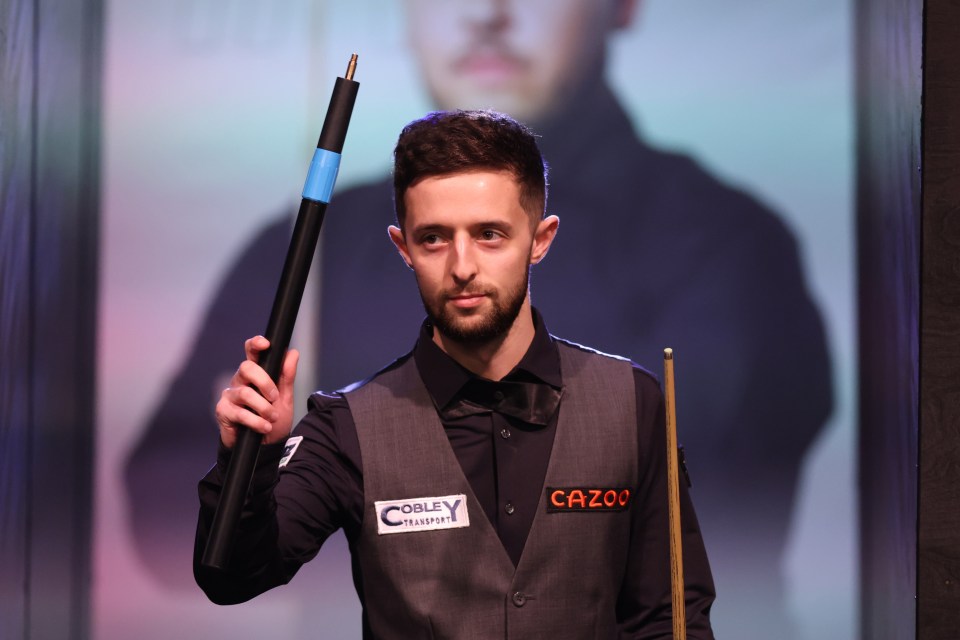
{"points": [[253, 400]]}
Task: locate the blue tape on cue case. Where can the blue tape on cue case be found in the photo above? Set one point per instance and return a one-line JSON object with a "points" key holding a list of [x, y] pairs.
{"points": [[322, 175]]}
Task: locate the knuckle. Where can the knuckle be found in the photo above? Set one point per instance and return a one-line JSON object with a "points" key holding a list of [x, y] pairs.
{"points": [[248, 395]]}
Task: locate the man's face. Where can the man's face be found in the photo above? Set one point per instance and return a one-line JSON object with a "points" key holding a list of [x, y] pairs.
{"points": [[470, 244], [526, 58]]}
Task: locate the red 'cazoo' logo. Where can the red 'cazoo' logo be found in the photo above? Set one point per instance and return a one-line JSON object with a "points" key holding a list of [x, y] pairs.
{"points": [[587, 499]]}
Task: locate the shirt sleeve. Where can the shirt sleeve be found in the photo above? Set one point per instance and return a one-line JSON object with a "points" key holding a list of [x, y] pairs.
{"points": [[290, 511], [644, 605]]}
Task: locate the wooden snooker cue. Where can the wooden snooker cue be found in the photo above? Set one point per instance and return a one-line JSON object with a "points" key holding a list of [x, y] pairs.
{"points": [[673, 492]]}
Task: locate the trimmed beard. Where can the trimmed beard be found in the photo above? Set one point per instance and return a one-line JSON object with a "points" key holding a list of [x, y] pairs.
{"points": [[496, 324]]}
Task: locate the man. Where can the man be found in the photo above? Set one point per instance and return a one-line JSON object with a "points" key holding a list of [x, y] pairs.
{"points": [[655, 253], [493, 483]]}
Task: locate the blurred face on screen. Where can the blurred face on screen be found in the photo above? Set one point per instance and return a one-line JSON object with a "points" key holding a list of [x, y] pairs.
{"points": [[526, 58]]}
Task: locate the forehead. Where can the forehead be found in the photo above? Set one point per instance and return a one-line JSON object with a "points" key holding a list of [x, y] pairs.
{"points": [[464, 198]]}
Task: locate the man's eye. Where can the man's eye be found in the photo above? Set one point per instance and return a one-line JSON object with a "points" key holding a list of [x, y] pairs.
{"points": [[430, 239], [489, 234]]}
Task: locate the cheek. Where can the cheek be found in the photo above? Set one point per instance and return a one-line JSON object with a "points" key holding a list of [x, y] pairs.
{"points": [[538, 28], [429, 270], [564, 38], [434, 33], [512, 267]]}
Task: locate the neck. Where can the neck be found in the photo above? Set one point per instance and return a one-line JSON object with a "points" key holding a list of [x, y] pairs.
{"points": [[495, 359]]}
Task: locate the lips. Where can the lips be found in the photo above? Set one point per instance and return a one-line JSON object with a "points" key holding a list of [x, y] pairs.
{"points": [[467, 299], [490, 64]]}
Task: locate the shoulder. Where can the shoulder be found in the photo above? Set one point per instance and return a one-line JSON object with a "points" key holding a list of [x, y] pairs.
{"points": [[326, 402], [376, 189], [582, 351], [725, 235], [383, 376], [685, 197], [327, 413], [361, 214], [266, 244], [644, 380], [371, 201]]}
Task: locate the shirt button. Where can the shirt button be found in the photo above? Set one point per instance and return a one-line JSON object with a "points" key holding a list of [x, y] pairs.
{"points": [[504, 433], [519, 599], [509, 508], [498, 395]]}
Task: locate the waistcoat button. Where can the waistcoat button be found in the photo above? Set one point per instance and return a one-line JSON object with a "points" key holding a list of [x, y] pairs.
{"points": [[504, 433], [509, 508], [519, 599]]}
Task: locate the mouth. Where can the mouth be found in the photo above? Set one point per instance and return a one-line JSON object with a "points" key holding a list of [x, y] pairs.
{"points": [[467, 300], [490, 64]]}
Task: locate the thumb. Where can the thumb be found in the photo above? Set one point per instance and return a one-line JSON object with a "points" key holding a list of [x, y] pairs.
{"points": [[288, 373]]}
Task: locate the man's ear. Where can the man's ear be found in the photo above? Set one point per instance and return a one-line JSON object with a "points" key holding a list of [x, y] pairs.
{"points": [[543, 237], [396, 236]]}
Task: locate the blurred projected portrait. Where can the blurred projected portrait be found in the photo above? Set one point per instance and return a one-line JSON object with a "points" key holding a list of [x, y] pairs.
{"points": [[654, 252]]}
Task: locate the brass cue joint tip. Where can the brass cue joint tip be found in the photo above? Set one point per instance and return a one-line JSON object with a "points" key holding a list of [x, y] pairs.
{"points": [[351, 67]]}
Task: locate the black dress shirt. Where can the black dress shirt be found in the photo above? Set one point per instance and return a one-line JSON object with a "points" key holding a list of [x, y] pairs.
{"points": [[502, 433]]}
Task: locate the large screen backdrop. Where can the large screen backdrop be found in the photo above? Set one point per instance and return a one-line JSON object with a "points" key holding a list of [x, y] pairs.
{"points": [[737, 252]]}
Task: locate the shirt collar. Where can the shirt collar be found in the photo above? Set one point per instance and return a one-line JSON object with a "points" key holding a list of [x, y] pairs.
{"points": [[444, 377]]}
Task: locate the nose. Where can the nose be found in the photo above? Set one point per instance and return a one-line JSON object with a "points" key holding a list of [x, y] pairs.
{"points": [[463, 263], [487, 15]]}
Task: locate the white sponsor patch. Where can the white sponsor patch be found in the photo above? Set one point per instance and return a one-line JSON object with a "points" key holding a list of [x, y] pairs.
{"points": [[421, 514], [290, 449]]}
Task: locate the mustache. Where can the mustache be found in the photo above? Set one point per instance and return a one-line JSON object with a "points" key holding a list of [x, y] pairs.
{"points": [[487, 46]]}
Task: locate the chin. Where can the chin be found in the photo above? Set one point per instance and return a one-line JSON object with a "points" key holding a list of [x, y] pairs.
{"points": [[497, 97]]}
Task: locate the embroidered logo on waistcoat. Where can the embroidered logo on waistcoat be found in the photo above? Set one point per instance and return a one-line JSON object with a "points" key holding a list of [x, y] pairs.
{"points": [[289, 449], [561, 499], [421, 514]]}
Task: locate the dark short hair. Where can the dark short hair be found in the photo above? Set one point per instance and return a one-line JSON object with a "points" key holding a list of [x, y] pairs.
{"points": [[450, 142]]}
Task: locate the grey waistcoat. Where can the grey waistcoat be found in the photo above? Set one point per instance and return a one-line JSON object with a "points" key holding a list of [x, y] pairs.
{"points": [[459, 582]]}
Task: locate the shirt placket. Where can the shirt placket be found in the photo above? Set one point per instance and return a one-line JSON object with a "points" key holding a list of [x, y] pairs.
{"points": [[510, 504]]}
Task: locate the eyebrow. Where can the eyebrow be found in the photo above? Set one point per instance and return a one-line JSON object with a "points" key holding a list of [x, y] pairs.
{"points": [[434, 227], [425, 228]]}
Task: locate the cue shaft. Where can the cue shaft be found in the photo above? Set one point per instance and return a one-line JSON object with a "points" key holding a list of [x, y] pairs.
{"points": [[673, 493]]}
